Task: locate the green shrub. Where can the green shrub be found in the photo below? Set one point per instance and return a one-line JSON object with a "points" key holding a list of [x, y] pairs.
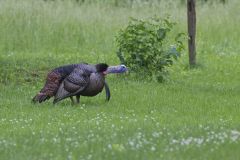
{"points": [[146, 47]]}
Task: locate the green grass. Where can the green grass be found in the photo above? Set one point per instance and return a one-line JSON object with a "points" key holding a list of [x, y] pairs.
{"points": [[193, 115]]}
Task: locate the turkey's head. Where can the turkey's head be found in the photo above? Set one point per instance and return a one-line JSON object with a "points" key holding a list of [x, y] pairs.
{"points": [[116, 69]]}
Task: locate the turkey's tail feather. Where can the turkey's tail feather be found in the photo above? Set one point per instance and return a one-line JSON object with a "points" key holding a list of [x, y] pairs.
{"points": [[40, 97], [50, 88]]}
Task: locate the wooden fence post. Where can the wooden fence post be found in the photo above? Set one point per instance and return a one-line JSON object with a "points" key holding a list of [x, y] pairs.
{"points": [[191, 14]]}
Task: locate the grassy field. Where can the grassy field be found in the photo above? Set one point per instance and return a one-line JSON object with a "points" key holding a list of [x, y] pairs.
{"points": [[193, 115]]}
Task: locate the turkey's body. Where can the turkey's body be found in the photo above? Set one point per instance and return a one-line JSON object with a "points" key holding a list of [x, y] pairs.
{"points": [[83, 81], [96, 84]]}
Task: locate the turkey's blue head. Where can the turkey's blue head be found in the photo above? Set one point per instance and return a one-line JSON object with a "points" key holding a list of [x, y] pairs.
{"points": [[116, 69]]}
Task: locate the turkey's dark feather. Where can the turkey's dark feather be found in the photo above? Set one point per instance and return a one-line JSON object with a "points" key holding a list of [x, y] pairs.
{"points": [[77, 81], [107, 90], [85, 80]]}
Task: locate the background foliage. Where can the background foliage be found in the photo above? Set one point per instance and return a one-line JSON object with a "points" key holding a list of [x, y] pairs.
{"points": [[144, 46], [193, 115]]}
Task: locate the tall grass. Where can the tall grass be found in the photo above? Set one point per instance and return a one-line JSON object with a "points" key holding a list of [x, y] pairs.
{"points": [[194, 115], [65, 26], [217, 31], [60, 32]]}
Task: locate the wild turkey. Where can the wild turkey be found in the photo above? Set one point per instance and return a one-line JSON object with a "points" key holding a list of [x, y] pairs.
{"points": [[75, 80]]}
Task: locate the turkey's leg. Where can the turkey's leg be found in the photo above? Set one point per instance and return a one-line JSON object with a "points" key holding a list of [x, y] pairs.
{"points": [[78, 99], [72, 100]]}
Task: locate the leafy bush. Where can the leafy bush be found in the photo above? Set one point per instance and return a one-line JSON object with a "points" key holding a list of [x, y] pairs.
{"points": [[145, 47]]}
